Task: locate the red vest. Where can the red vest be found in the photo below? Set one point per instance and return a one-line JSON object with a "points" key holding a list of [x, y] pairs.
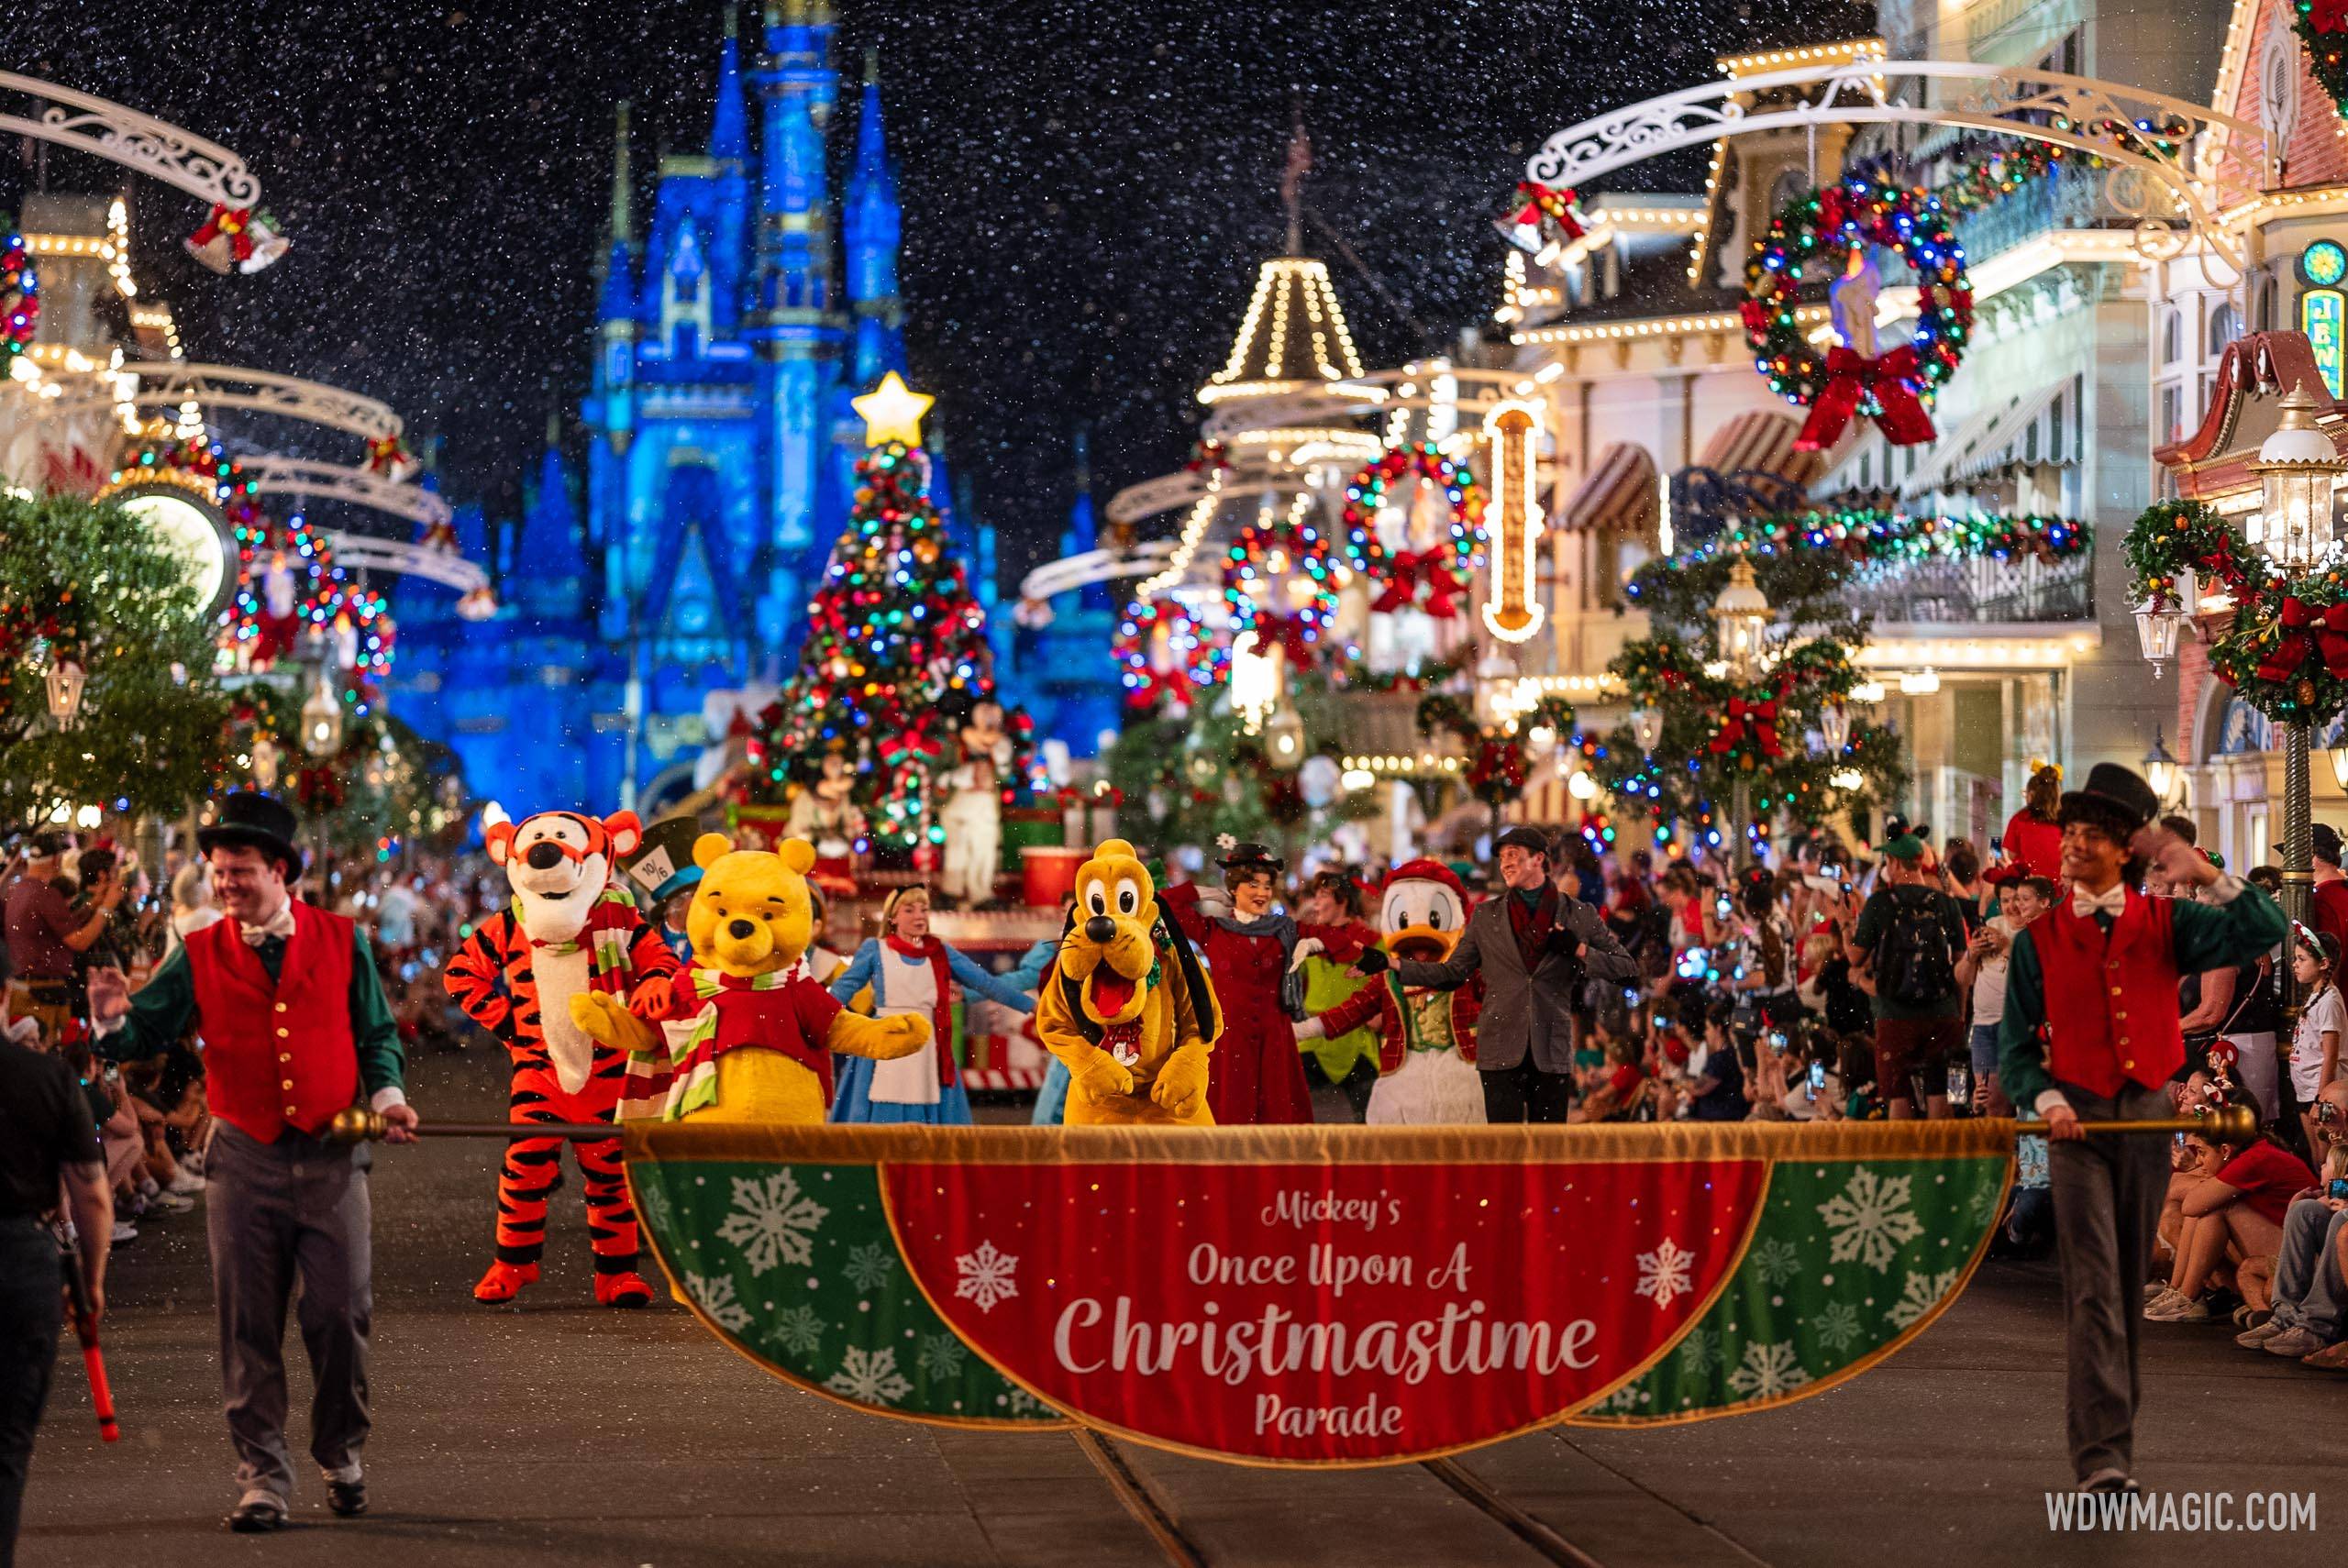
{"points": [[2111, 1003], [281, 1054]]}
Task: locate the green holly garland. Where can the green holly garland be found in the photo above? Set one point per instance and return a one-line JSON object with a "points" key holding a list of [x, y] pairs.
{"points": [[2322, 27]]}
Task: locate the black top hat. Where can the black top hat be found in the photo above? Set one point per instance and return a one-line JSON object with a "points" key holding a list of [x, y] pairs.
{"points": [[1251, 858], [259, 821], [2114, 793]]}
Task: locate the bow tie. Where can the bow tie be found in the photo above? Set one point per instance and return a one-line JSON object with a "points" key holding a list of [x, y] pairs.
{"points": [[279, 925], [2111, 901]]}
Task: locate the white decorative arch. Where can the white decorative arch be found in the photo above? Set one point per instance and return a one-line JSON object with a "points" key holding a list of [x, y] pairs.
{"points": [[2075, 112], [176, 382], [304, 480], [1073, 572], [426, 561], [105, 129]]}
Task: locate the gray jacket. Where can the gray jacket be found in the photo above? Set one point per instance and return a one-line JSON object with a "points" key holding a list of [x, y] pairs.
{"points": [[1524, 1011]]}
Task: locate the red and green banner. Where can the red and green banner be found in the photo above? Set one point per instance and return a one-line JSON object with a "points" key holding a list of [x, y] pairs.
{"points": [[1318, 1296]]}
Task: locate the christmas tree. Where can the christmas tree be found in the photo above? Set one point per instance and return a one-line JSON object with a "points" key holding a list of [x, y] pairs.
{"points": [[896, 650]]}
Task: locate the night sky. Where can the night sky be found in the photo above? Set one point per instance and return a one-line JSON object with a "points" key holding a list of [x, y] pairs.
{"points": [[1086, 200]]}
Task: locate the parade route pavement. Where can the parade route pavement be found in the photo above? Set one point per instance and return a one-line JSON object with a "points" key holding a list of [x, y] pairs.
{"points": [[557, 1433]]}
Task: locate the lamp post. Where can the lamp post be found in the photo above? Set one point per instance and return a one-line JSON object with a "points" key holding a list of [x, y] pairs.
{"points": [[1741, 617], [2297, 466], [63, 680], [2161, 769], [321, 739]]}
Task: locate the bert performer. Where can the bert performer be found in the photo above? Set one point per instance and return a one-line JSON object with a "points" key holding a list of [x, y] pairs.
{"points": [[294, 1026], [2090, 1034]]}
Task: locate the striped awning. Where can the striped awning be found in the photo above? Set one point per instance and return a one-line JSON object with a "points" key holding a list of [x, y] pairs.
{"points": [[1762, 439], [1620, 493], [2040, 426]]}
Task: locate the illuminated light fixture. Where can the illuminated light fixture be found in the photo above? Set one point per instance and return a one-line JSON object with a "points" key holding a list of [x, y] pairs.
{"points": [[321, 721], [2157, 628], [2340, 764], [1867, 691], [64, 678], [1847, 778], [88, 817], [1646, 728], [1256, 681], [1284, 740], [1742, 616], [1919, 682], [1358, 779], [2295, 468], [891, 411], [2161, 769], [265, 758], [1511, 613], [1582, 787], [1835, 727]]}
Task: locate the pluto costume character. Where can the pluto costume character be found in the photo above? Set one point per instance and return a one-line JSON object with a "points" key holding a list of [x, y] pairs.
{"points": [[523, 975], [1126, 1006], [1427, 1059], [764, 1031]]}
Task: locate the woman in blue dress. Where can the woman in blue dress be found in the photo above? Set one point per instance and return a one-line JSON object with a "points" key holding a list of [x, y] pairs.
{"points": [[912, 971]]}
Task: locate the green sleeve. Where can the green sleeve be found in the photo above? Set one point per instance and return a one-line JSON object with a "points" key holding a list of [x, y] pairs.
{"points": [[2218, 936], [159, 1015], [372, 1029], [2021, 1051]]}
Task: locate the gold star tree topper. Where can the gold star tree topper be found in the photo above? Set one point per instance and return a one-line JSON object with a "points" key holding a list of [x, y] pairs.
{"points": [[891, 411]]}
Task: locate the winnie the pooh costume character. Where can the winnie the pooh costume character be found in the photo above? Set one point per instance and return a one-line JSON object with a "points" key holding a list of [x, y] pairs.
{"points": [[763, 1030], [1126, 1006]]}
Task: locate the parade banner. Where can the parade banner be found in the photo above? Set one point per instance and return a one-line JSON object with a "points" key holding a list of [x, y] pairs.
{"points": [[1318, 1296]]}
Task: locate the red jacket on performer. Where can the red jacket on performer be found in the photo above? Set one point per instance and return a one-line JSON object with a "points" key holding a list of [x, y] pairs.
{"points": [[2111, 1002], [1383, 1000], [277, 1054]]}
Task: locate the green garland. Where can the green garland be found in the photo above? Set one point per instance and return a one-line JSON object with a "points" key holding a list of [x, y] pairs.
{"points": [[1876, 536], [2322, 27]]}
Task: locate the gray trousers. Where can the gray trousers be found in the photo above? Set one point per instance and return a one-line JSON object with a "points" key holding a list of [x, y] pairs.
{"points": [[2308, 1291], [295, 1208], [2108, 1194]]}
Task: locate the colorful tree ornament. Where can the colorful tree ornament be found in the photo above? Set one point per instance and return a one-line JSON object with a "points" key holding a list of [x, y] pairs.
{"points": [[1165, 657], [19, 297], [1433, 578], [1826, 237]]}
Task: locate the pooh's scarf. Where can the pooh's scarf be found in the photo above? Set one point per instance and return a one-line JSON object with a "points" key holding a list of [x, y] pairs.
{"points": [[785, 1012]]}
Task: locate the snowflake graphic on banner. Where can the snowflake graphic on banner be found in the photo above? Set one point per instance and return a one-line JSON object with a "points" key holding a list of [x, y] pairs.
{"points": [[869, 1266], [1768, 1371], [869, 1376], [1775, 1260], [772, 1221], [1699, 1353], [1019, 1402], [799, 1329], [717, 1297], [1663, 1272], [1918, 1295], [941, 1357], [1871, 1220], [986, 1276], [1623, 1401], [1837, 1327]]}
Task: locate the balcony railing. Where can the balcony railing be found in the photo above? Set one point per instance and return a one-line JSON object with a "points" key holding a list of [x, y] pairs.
{"points": [[1982, 589], [2071, 198]]}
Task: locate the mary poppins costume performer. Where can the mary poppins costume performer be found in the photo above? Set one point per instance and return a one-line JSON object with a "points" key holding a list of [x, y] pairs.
{"points": [[1250, 954], [290, 1010]]}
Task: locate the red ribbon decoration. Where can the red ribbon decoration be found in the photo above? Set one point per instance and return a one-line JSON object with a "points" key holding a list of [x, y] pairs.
{"points": [[2283, 661], [1851, 376], [230, 221], [2328, 16], [385, 454], [2333, 641], [1545, 201], [1408, 571], [1288, 633], [1756, 722]]}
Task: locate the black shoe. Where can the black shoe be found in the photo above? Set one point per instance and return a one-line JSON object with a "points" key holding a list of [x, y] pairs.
{"points": [[348, 1498], [258, 1517]]}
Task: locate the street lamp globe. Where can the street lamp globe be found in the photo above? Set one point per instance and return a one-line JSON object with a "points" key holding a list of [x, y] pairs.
{"points": [[2295, 468], [2161, 769], [1741, 614], [321, 722], [2340, 763], [1646, 728], [64, 680], [1834, 727], [1284, 740], [2156, 627]]}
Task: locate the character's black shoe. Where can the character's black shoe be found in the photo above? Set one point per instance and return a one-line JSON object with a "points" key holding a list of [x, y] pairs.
{"points": [[348, 1498], [258, 1515]]}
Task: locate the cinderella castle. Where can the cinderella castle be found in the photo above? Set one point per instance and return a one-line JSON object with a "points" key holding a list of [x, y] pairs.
{"points": [[653, 588]]}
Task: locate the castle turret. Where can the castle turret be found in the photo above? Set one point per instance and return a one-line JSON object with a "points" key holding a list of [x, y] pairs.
{"points": [[729, 156], [872, 223], [614, 390]]}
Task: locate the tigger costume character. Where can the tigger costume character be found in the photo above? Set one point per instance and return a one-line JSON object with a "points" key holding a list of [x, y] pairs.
{"points": [[523, 975]]}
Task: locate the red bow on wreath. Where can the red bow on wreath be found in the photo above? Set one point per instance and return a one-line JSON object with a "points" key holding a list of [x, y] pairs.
{"points": [[1850, 377], [2298, 621], [2328, 16], [1288, 633], [385, 455], [1749, 721], [234, 221], [1412, 568], [1545, 201]]}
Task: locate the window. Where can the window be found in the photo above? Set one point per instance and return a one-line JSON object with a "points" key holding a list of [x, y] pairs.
{"points": [[2278, 90], [2173, 414], [2172, 334], [1793, 181], [2264, 297], [2225, 326]]}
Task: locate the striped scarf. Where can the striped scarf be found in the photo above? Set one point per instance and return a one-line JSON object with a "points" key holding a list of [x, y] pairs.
{"points": [[687, 1077]]}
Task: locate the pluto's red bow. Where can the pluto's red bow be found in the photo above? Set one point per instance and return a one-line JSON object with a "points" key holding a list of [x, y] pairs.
{"points": [[1850, 377]]}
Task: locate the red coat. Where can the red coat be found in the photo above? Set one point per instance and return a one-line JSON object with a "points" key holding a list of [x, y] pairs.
{"points": [[1382, 998], [2111, 1003], [277, 1054], [2037, 845]]}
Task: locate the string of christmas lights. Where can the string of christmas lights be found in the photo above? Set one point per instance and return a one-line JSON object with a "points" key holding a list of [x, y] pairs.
{"points": [[19, 297]]}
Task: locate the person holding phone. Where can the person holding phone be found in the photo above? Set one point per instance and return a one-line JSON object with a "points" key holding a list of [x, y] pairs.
{"points": [[2090, 1033]]}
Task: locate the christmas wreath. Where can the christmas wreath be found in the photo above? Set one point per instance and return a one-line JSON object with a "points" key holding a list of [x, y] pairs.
{"points": [[1152, 674], [20, 296], [1440, 571], [2286, 650], [2322, 27], [1816, 237], [1297, 552]]}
